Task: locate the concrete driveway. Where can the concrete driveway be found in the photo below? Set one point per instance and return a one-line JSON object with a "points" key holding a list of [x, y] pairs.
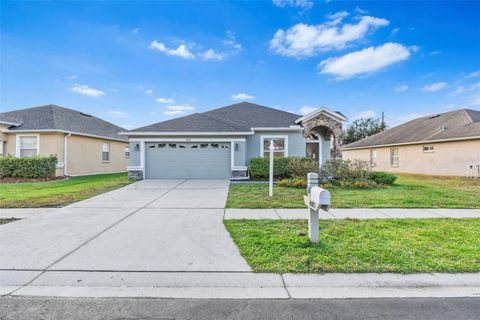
{"points": [[152, 225]]}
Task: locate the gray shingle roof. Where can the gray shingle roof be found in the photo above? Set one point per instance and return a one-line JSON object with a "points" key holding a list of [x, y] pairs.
{"points": [[52, 117], [457, 124], [240, 117]]}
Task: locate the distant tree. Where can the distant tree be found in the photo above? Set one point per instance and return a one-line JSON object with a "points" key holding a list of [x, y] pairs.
{"points": [[362, 128]]}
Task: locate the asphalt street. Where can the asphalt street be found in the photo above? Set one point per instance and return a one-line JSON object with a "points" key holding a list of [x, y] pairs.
{"points": [[19, 308]]}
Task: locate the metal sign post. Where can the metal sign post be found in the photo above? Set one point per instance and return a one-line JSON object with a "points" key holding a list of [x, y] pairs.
{"points": [[270, 180]]}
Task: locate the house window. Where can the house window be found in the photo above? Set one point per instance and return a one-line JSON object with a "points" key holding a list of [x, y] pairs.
{"points": [[106, 151], [428, 149], [127, 152], [27, 146], [394, 160], [373, 156], [279, 145]]}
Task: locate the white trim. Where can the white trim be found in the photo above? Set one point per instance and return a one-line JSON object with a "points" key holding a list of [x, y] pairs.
{"points": [[134, 168], [9, 123], [332, 114], [142, 158], [187, 139], [65, 131], [185, 133], [239, 168], [232, 154], [95, 173], [1, 148], [412, 143], [274, 137], [17, 142], [292, 128]]}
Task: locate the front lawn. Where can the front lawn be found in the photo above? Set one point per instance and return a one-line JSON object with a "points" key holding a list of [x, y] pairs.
{"points": [[393, 245], [409, 191], [58, 193]]}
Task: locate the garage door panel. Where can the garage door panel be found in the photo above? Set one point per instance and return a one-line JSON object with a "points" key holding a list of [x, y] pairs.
{"points": [[187, 160]]}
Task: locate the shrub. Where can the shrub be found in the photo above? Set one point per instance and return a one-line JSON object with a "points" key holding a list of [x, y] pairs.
{"points": [[382, 178], [336, 170], [301, 166], [293, 183], [34, 167], [259, 168], [357, 184], [289, 167]]}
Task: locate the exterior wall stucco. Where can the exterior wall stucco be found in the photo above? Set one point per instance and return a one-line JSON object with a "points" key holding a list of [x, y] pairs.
{"points": [[85, 156], [49, 144], [448, 158], [296, 143], [240, 152]]}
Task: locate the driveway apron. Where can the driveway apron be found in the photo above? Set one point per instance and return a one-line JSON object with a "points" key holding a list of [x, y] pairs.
{"points": [[151, 225]]}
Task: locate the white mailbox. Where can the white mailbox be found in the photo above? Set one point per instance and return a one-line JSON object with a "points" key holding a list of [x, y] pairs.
{"points": [[319, 198], [316, 200]]}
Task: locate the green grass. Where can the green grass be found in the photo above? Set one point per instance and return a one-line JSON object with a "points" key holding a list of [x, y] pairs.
{"points": [[59, 192], [409, 191], [7, 220], [393, 245]]}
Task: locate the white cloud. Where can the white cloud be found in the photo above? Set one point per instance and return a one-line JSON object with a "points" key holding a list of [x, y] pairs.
{"points": [[149, 92], [231, 41], [458, 90], [360, 10], [306, 110], [182, 50], [112, 90], [401, 88], [87, 91], [178, 109], [434, 86], [365, 61], [241, 97], [304, 4], [473, 75], [135, 30], [475, 100], [395, 120], [394, 32], [435, 52], [365, 114], [304, 40], [210, 54], [117, 113], [165, 100]]}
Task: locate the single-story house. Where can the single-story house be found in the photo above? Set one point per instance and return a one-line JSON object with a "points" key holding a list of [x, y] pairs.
{"points": [[442, 144], [82, 143], [220, 143]]}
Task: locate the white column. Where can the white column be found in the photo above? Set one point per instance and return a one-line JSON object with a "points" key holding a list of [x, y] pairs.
{"points": [[270, 182]]}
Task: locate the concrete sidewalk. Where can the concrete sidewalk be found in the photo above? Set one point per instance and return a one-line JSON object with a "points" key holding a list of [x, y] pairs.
{"points": [[351, 213], [236, 285]]}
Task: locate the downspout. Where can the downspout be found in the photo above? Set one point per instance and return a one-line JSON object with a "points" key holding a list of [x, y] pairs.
{"points": [[65, 157]]}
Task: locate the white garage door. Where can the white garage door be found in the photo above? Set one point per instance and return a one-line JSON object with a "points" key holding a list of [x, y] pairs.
{"points": [[177, 160]]}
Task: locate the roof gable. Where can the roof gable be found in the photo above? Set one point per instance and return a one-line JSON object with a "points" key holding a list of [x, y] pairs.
{"points": [[53, 117], [240, 117], [463, 123]]}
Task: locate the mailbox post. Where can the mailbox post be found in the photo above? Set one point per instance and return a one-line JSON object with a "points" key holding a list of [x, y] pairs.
{"points": [[316, 200]]}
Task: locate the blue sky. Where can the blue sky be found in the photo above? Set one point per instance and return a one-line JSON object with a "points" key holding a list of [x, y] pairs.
{"points": [[135, 63]]}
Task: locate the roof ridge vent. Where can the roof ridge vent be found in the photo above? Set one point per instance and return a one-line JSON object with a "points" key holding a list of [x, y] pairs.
{"points": [[434, 116], [85, 114]]}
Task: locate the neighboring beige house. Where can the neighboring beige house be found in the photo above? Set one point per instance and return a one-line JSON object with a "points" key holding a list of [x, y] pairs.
{"points": [[445, 144], [83, 143]]}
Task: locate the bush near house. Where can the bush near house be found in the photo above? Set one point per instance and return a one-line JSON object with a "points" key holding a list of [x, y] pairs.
{"points": [[283, 167], [31, 168]]}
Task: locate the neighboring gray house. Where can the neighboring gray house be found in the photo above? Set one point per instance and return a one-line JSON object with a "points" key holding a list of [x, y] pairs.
{"points": [[220, 143]]}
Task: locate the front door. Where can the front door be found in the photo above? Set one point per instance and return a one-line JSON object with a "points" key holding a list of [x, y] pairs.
{"points": [[313, 150]]}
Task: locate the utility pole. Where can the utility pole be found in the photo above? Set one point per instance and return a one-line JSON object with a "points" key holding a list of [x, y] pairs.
{"points": [[383, 121]]}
